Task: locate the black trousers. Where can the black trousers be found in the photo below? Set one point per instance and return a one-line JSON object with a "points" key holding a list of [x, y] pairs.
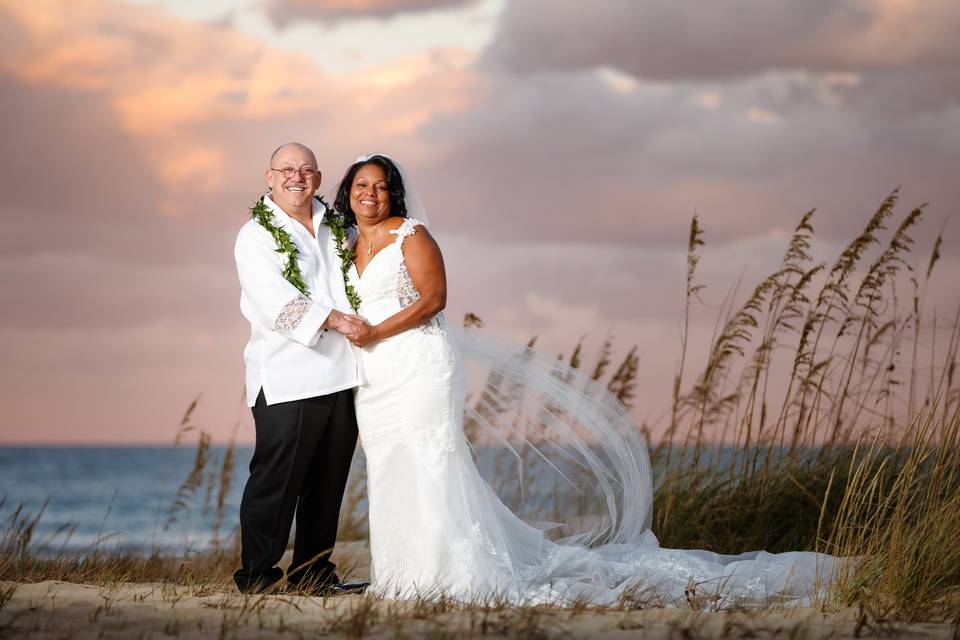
{"points": [[300, 465]]}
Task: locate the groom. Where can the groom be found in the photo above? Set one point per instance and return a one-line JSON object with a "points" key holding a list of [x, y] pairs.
{"points": [[300, 374]]}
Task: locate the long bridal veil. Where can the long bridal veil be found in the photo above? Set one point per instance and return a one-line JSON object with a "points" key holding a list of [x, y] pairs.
{"points": [[561, 451]]}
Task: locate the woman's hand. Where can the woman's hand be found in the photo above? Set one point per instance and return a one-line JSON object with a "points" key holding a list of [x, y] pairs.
{"points": [[363, 334]]}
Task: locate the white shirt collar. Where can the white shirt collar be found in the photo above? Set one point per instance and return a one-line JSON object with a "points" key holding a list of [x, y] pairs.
{"points": [[284, 218]]}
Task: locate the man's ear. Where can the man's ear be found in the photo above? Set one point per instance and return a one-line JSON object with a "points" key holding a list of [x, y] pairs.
{"points": [[269, 176]]}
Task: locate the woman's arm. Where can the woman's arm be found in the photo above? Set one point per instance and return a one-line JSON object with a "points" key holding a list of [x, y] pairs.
{"points": [[425, 265]]}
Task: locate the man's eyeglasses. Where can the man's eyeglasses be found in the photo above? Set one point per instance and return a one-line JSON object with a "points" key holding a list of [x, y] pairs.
{"points": [[289, 172]]}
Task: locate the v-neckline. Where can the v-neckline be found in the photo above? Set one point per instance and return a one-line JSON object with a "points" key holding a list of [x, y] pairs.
{"points": [[370, 262]]}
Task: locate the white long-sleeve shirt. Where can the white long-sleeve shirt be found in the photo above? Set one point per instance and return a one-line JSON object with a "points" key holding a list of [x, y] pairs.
{"points": [[288, 355]]}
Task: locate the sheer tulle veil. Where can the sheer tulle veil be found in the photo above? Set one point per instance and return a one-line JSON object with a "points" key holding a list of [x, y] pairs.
{"points": [[577, 457]]}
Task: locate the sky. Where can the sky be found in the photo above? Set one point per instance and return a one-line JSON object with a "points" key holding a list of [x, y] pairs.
{"points": [[560, 148]]}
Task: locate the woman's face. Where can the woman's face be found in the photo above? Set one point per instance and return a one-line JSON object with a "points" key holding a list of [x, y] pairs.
{"points": [[369, 194]]}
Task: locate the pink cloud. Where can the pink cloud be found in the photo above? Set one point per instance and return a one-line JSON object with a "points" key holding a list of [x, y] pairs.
{"points": [[671, 40]]}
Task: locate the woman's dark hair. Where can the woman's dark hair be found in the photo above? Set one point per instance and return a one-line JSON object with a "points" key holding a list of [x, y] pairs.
{"points": [[398, 206]]}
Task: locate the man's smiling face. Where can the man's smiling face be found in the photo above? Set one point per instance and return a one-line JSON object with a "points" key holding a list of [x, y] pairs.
{"points": [[293, 194]]}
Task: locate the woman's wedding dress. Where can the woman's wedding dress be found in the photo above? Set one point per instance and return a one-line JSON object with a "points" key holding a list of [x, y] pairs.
{"points": [[437, 528]]}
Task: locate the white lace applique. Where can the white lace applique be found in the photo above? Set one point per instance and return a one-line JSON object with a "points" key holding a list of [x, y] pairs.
{"points": [[291, 315], [474, 555], [544, 567], [407, 292], [407, 228], [425, 439], [440, 440], [394, 559]]}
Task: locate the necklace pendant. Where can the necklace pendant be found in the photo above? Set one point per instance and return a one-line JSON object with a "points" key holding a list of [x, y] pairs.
{"points": [[370, 249]]}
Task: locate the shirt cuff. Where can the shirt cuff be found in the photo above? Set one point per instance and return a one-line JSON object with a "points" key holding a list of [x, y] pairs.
{"points": [[309, 330]]}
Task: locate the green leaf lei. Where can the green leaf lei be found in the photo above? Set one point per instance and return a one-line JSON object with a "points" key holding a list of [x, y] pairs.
{"points": [[264, 217], [291, 272], [338, 227]]}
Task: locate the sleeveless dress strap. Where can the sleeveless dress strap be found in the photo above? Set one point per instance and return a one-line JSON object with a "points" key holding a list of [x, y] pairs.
{"points": [[407, 228]]}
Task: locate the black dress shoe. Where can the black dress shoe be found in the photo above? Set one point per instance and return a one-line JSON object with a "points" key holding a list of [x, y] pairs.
{"points": [[249, 582], [312, 584], [354, 587], [325, 590]]}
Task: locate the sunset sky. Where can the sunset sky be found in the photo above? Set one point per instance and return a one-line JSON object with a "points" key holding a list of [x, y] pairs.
{"points": [[561, 148]]}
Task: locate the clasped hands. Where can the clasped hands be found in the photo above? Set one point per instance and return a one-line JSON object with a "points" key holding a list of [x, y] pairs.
{"points": [[357, 330]]}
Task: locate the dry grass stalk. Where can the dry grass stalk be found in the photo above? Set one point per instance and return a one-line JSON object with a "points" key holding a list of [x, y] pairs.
{"points": [[787, 481], [193, 481], [226, 476]]}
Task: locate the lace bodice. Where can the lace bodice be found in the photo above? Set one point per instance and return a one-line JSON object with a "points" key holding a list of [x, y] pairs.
{"points": [[385, 286]]}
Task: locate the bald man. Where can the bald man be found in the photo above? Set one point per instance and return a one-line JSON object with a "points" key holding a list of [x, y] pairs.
{"points": [[300, 375]]}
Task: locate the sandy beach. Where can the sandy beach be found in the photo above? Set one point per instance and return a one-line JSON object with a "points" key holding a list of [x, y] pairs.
{"points": [[126, 610], [54, 609]]}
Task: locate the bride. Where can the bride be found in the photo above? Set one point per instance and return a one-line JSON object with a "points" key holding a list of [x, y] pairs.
{"points": [[437, 528]]}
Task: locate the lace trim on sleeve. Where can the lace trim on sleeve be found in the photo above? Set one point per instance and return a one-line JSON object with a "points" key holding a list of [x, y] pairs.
{"points": [[291, 315]]}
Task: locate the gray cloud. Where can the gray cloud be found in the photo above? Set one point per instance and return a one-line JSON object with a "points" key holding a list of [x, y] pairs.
{"points": [[285, 12], [554, 156], [668, 40]]}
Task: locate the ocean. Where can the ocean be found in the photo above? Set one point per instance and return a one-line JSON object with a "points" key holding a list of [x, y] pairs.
{"points": [[117, 497], [123, 497]]}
